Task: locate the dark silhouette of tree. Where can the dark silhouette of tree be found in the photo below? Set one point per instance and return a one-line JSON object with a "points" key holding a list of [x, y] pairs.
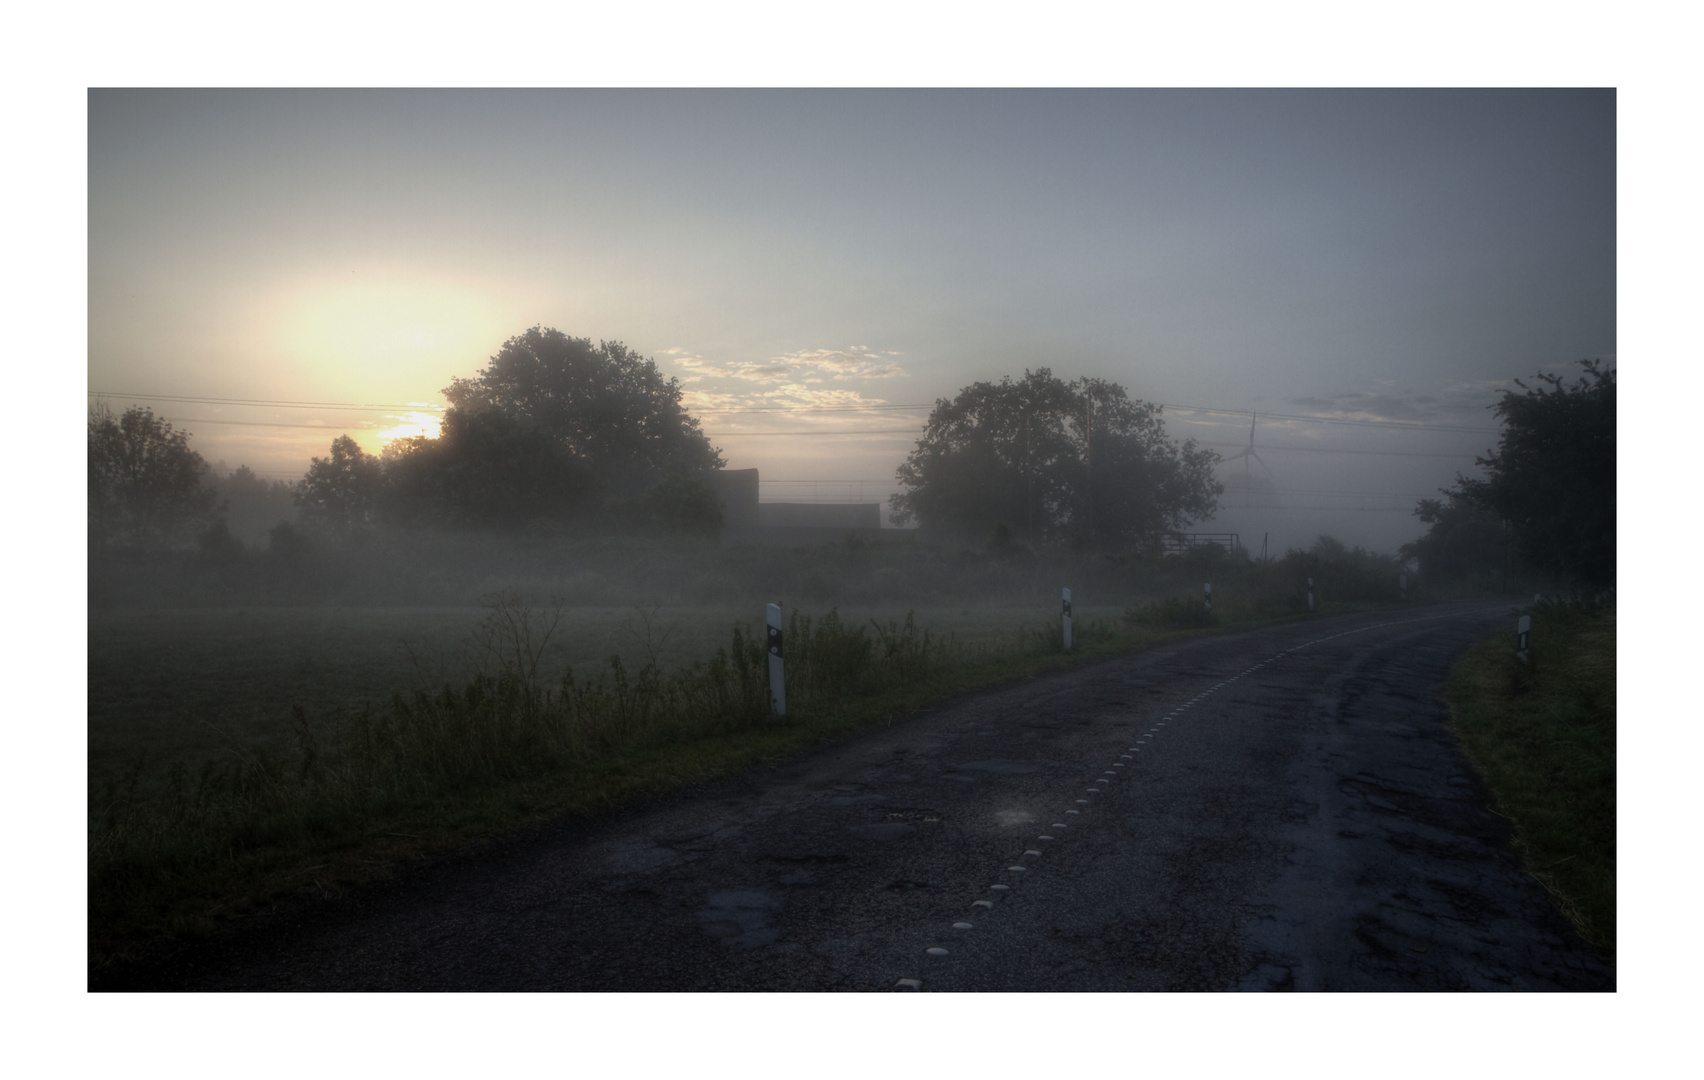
{"points": [[609, 407], [286, 544], [684, 502], [1552, 476], [485, 468], [1340, 572], [997, 453], [145, 483], [253, 505], [1051, 461], [1465, 540], [1135, 485], [218, 545], [340, 494]]}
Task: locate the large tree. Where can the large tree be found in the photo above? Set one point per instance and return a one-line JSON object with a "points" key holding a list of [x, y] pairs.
{"points": [[1464, 541], [606, 405], [145, 483], [1552, 476], [1052, 460], [485, 468], [340, 493]]}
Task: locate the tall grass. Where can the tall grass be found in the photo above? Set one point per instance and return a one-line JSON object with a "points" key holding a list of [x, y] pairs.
{"points": [[170, 851], [173, 849], [1542, 734]]}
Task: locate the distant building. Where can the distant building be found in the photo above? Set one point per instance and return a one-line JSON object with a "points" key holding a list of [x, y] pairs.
{"points": [[746, 520], [737, 488]]}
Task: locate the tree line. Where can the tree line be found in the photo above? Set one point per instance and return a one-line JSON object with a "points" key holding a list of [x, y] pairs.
{"points": [[1546, 499], [555, 430], [1046, 461]]}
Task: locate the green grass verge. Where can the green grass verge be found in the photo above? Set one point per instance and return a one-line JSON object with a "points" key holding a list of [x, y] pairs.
{"points": [[178, 853], [1542, 736]]}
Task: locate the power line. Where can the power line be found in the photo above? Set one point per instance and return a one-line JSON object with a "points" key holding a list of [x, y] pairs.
{"points": [[1274, 491], [851, 431], [811, 408], [1225, 510], [800, 410], [855, 431], [267, 403], [1357, 453], [253, 423], [1333, 494], [1414, 425]]}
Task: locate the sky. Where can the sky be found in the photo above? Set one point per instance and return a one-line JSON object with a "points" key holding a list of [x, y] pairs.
{"points": [[235, 222], [1388, 258]]}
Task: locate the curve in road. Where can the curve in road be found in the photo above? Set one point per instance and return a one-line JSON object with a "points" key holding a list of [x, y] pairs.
{"points": [[1282, 808]]}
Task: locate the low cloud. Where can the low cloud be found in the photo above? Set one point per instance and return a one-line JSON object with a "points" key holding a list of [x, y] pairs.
{"points": [[855, 362], [803, 395], [1463, 404], [782, 406], [701, 400]]}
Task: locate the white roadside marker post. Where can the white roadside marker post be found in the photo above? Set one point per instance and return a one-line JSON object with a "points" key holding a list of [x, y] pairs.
{"points": [[1065, 619], [1523, 633], [777, 665], [1207, 595], [1310, 594]]}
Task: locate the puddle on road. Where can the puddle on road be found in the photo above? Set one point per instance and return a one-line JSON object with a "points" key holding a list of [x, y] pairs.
{"points": [[743, 919]]}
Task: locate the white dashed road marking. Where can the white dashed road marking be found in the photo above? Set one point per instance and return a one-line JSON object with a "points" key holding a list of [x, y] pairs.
{"points": [[917, 984]]}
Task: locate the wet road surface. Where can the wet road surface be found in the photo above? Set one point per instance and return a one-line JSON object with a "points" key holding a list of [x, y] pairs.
{"points": [[1278, 809]]}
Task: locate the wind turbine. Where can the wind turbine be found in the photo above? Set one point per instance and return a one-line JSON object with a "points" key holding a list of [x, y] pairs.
{"points": [[1248, 454]]}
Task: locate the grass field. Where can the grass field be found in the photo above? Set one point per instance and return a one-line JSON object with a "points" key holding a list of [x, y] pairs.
{"points": [[228, 816], [196, 683], [1542, 735], [243, 752]]}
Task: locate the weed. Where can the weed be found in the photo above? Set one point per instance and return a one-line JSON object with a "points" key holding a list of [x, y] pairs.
{"points": [[1171, 611], [165, 845], [374, 781]]}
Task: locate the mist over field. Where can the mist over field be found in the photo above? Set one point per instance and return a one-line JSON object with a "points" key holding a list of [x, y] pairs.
{"points": [[424, 489], [949, 351]]}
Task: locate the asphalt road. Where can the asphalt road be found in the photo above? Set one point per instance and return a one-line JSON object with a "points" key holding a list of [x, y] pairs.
{"points": [[1279, 809]]}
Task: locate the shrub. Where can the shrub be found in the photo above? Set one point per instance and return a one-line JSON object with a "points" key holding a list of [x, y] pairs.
{"points": [[1171, 612]]}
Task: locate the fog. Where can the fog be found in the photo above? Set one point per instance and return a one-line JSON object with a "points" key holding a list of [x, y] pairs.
{"points": [[272, 269]]}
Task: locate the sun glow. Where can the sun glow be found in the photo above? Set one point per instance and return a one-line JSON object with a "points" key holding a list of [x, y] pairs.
{"points": [[380, 332], [410, 425]]}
